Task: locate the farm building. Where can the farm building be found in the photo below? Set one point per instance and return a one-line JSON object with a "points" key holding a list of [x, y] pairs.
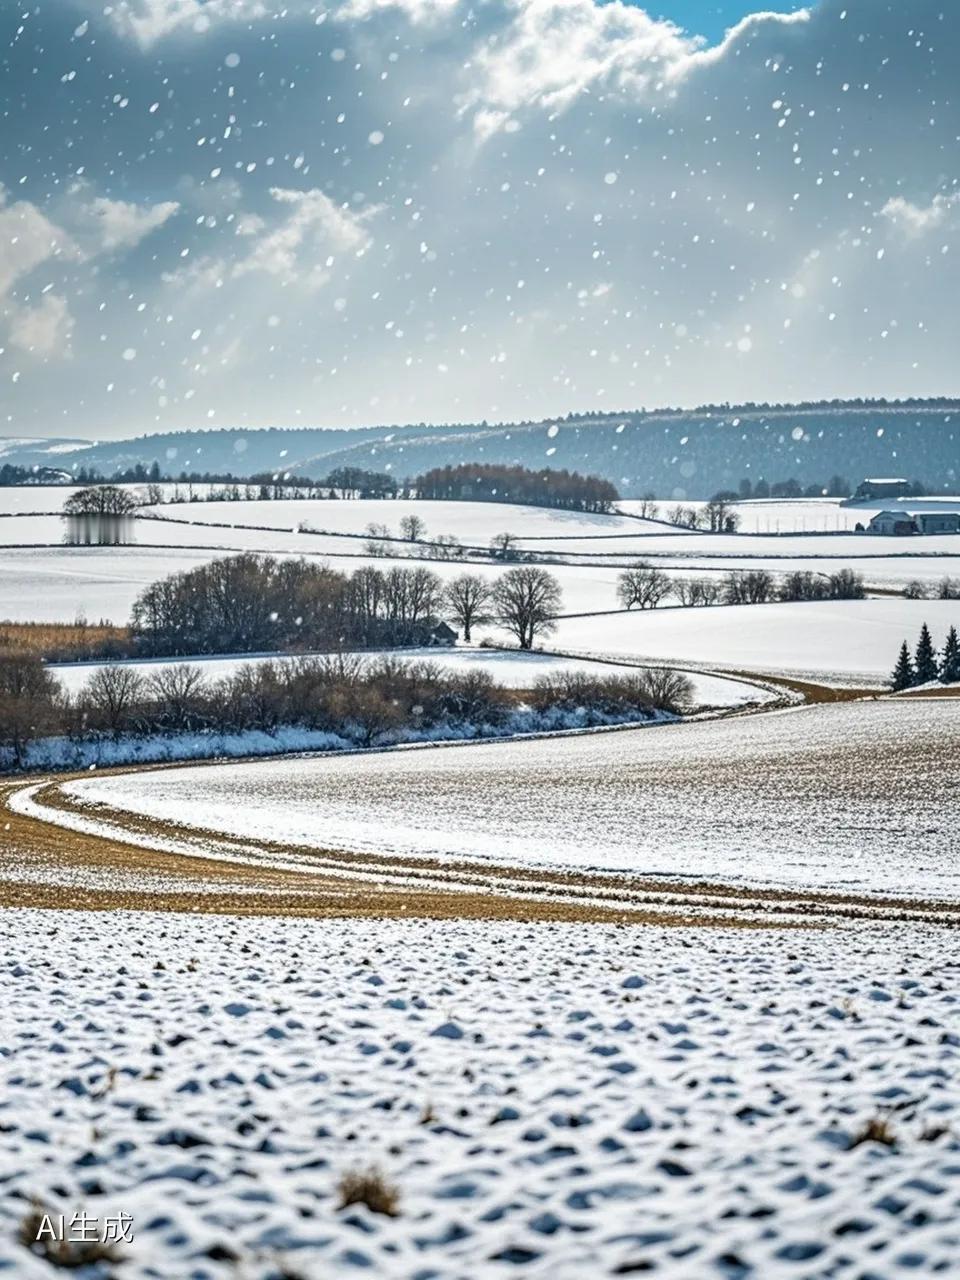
{"points": [[893, 524], [938, 522], [442, 636], [872, 489]]}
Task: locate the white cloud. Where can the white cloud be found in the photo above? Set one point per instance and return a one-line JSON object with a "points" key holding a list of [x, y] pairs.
{"points": [[916, 220], [753, 24], [149, 20], [120, 224], [297, 250], [44, 329], [417, 11], [27, 238], [497, 223], [551, 51]]}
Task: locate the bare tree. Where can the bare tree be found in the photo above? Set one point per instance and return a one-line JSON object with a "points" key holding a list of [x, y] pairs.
{"points": [[697, 591], [178, 690], [377, 544], [445, 546], [754, 587], [29, 698], [503, 546], [100, 500], [642, 585], [801, 584], [685, 517], [424, 594], [719, 516], [526, 601], [467, 598], [112, 693], [412, 528], [665, 689], [647, 507], [845, 584]]}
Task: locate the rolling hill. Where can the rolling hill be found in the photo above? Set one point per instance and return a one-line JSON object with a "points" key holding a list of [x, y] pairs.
{"points": [[674, 453]]}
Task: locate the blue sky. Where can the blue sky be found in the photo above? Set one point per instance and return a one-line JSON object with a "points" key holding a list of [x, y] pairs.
{"points": [[711, 18]]}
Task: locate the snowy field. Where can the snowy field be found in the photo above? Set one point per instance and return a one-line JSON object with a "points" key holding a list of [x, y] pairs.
{"points": [[889, 573], [903, 561], [62, 584], [849, 640], [512, 670], [807, 515], [782, 798], [859, 639], [555, 1101], [16, 499], [738, 546], [48, 531], [471, 522], [56, 585]]}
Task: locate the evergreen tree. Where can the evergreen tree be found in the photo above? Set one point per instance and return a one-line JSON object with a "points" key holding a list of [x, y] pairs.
{"points": [[925, 659], [903, 674], [950, 662]]}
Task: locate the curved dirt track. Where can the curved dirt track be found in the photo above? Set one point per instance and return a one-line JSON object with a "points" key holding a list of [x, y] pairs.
{"points": [[59, 853]]}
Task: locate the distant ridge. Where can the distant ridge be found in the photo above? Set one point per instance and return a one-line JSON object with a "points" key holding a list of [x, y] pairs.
{"points": [[672, 452]]}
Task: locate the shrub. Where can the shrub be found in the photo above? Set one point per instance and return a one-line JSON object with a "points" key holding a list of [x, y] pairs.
{"points": [[369, 1187]]}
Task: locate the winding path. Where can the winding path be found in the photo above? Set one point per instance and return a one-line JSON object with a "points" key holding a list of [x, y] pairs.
{"points": [[59, 851]]}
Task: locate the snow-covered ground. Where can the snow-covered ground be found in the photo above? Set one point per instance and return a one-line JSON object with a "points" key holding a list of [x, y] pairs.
{"points": [[738, 546], [553, 1101], [807, 515], [904, 561], [49, 530], [50, 498], [57, 584], [512, 670], [890, 573], [471, 522], [63, 583], [848, 639], [783, 798]]}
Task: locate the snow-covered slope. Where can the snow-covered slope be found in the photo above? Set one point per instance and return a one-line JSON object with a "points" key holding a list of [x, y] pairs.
{"points": [[471, 522], [555, 1101], [781, 798], [849, 639]]}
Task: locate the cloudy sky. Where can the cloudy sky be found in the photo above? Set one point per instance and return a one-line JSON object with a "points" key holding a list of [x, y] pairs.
{"points": [[221, 212]]}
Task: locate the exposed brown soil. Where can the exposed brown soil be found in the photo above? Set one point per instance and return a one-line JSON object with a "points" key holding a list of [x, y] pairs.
{"points": [[809, 690], [251, 889], [240, 879]]}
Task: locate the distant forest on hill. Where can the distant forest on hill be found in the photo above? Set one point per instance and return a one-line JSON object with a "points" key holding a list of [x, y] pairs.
{"points": [[674, 453]]}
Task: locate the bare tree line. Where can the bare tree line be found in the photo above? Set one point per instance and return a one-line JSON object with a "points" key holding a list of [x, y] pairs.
{"points": [[644, 586], [362, 701], [249, 603]]}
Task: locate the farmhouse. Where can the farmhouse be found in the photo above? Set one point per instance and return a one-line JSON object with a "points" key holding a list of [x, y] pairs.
{"points": [[938, 521], [872, 489], [893, 524], [442, 636]]}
